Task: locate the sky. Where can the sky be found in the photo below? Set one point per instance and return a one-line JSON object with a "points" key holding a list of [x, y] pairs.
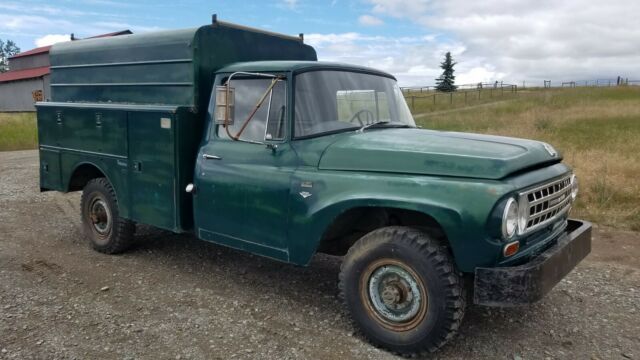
{"points": [[491, 40]]}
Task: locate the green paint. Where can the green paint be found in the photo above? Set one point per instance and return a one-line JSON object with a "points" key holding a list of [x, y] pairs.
{"points": [[135, 108]]}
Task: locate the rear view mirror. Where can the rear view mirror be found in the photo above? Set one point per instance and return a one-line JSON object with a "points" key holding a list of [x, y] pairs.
{"points": [[224, 105]]}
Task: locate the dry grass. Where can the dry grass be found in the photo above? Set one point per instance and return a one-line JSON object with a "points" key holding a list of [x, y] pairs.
{"points": [[596, 129], [18, 131], [432, 101]]}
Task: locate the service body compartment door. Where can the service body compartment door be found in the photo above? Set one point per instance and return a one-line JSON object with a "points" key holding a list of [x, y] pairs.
{"points": [[152, 172]]}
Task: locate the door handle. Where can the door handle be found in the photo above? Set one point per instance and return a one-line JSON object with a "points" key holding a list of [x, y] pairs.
{"points": [[211, 157]]}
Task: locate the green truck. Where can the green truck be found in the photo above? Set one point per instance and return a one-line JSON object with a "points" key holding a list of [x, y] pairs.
{"points": [[243, 138]]}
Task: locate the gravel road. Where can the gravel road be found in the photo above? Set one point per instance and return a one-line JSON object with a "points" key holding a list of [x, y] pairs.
{"points": [[175, 297]]}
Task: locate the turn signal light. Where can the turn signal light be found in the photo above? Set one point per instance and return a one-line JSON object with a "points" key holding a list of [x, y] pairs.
{"points": [[511, 248]]}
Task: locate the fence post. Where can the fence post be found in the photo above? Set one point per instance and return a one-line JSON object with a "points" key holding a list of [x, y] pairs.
{"points": [[413, 105], [465, 98], [491, 93], [479, 94], [434, 98], [451, 97]]}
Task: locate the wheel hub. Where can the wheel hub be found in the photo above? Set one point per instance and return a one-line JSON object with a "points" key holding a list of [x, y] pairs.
{"points": [[395, 297], [100, 216], [391, 295]]}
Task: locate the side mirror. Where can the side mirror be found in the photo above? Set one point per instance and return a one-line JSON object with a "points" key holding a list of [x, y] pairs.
{"points": [[225, 102]]}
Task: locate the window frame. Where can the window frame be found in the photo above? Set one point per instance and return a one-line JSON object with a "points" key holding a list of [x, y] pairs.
{"points": [[293, 80], [221, 78]]}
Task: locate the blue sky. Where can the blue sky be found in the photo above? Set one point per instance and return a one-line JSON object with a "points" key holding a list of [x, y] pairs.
{"points": [[512, 40]]}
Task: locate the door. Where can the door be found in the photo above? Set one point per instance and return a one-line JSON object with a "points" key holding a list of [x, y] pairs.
{"points": [[242, 187], [151, 171]]}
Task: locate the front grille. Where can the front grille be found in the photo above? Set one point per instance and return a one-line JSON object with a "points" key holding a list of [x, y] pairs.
{"points": [[545, 203]]}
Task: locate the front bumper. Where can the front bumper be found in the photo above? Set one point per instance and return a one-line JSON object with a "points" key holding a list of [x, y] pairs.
{"points": [[528, 283]]}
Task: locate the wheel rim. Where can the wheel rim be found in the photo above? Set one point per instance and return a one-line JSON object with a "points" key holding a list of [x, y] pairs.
{"points": [[100, 216], [393, 294]]}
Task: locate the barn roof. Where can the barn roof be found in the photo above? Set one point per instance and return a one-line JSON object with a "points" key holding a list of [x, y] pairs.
{"points": [[38, 50], [44, 49], [13, 75], [24, 74]]}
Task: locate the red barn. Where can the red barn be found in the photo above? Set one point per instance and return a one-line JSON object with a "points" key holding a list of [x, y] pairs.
{"points": [[28, 79]]}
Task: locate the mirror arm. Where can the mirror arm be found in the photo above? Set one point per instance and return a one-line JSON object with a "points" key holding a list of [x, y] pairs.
{"points": [[274, 81]]}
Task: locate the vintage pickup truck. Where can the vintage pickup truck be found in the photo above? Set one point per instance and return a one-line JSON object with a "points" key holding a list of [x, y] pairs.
{"points": [[244, 139]]}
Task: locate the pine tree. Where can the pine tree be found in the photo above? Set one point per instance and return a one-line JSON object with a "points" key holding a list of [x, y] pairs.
{"points": [[446, 81], [7, 50]]}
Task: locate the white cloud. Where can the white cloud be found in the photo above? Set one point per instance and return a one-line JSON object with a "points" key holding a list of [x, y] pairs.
{"points": [[51, 39], [521, 39], [13, 22], [291, 4], [369, 20], [413, 60]]}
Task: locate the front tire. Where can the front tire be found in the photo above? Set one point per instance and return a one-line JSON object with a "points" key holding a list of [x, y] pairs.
{"points": [[107, 232], [402, 290]]}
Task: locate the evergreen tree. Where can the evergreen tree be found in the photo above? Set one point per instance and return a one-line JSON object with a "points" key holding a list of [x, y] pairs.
{"points": [[446, 81], [7, 50]]}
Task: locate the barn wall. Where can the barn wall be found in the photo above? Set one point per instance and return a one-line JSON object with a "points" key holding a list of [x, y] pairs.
{"points": [[28, 62], [17, 95], [47, 87]]}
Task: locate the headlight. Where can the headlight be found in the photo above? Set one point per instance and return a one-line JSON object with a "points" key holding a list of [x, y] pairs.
{"points": [[510, 219], [574, 187]]}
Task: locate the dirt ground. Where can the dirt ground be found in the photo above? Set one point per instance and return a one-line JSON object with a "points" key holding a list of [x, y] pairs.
{"points": [[175, 297]]}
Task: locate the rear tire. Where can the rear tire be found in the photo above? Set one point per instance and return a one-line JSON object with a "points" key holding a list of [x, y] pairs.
{"points": [[107, 232], [402, 290]]}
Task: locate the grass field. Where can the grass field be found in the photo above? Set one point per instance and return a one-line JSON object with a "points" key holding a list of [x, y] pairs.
{"points": [[433, 101], [597, 130], [18, 131]]}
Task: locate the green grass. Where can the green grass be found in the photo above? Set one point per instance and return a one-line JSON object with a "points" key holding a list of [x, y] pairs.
{"points": [[597, 130], [18, 131]]}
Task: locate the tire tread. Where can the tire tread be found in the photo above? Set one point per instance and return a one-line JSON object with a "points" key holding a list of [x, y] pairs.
{"points": [[435, 252]]}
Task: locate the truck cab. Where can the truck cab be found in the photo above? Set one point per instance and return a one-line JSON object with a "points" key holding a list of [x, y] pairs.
{"points": [[244, 139]]}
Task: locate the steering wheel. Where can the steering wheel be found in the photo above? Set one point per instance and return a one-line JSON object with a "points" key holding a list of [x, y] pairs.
{"points": [[363, 111]]}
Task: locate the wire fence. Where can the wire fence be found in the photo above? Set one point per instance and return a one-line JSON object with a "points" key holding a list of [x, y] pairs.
{"points": [[423, 99], [427, 99], [619, 81]]}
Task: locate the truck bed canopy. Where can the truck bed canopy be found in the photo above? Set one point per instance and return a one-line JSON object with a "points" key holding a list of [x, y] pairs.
{"points": [[172, 67]]}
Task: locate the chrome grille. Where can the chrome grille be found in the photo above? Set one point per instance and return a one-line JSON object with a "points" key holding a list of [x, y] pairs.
{"points": [[545, 203]]}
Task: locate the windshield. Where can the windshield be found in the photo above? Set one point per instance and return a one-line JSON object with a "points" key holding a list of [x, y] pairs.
{"points": [[330, 101]]}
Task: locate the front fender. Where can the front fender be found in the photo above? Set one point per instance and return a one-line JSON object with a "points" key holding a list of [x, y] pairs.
{"points": [[460, 207]]}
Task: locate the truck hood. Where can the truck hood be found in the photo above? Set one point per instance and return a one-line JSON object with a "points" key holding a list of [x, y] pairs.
{"points": [[428, 152]]}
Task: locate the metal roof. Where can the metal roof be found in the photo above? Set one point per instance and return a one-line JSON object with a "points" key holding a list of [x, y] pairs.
{"points": [[24, 74], [44, 49], [115, 33], [39, 50]]}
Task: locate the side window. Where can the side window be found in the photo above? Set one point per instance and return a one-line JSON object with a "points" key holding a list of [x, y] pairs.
{"points": [[248, 93], [276, 129]]}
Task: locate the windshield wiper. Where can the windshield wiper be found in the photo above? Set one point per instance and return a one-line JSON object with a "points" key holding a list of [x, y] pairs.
{"points": [[364, 127], [382, 122]]}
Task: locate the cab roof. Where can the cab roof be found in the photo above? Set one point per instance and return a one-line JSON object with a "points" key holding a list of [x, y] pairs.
{"points": [[297, 66]]}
